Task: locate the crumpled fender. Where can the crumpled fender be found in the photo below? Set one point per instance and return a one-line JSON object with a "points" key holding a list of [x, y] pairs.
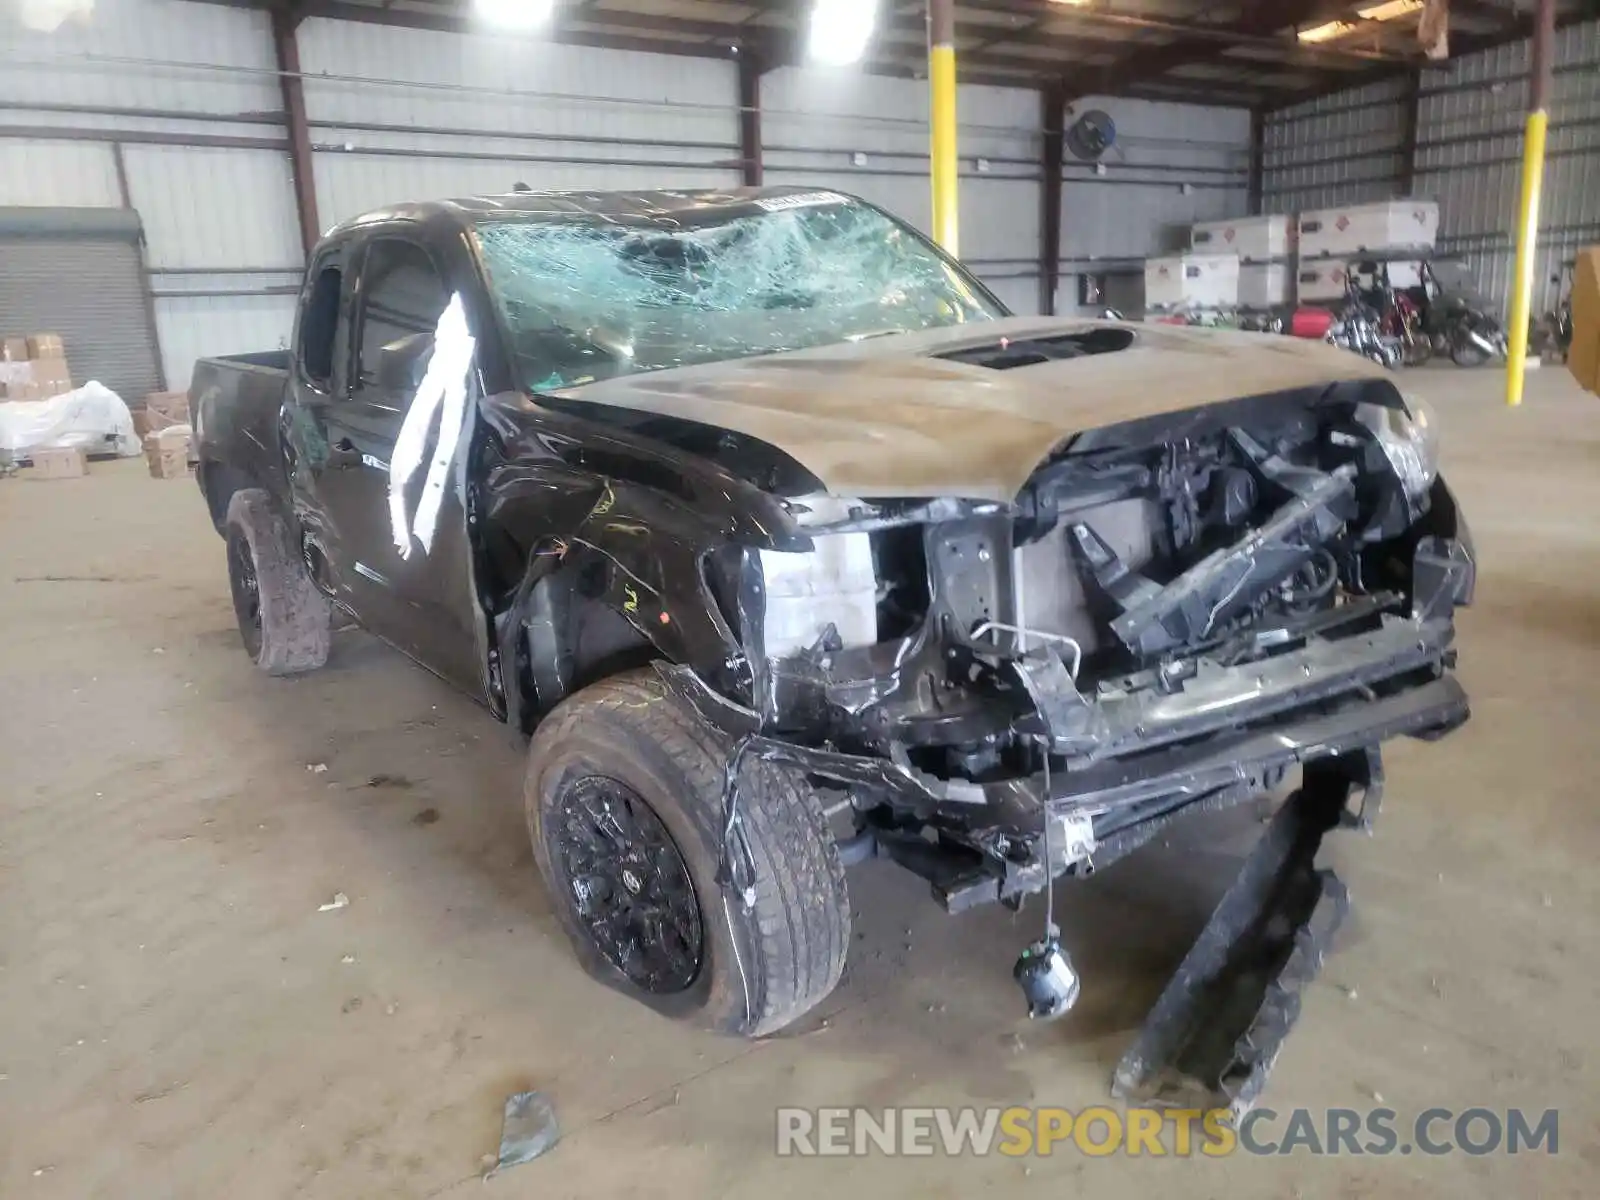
{"points": [[647, 513]]}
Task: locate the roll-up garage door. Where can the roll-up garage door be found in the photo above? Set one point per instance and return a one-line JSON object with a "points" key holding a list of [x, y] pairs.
{"points": [[77, 272]]}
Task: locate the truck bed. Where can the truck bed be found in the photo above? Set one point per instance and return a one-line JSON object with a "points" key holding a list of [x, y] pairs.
{"points": [[237, 401]]}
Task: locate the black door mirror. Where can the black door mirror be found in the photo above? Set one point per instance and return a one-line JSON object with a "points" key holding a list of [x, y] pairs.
{"points": [[404, 361]]}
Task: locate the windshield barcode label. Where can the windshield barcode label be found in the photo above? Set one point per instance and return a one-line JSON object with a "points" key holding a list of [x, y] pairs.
{"points": [[803, 200]]}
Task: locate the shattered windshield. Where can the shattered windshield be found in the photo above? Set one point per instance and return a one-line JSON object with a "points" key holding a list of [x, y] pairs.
{"points": [[589, 298]]}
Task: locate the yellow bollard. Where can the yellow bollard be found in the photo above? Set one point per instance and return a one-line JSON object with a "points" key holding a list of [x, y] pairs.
{"points": [[942, 118], [1533, 142], [1527, 239]]}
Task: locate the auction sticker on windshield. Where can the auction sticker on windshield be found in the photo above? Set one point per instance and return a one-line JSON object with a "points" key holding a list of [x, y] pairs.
{"points": [[802, 200]]}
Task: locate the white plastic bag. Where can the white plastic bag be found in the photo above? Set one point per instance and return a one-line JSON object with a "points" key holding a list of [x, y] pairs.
{"points": [[92, 418]]}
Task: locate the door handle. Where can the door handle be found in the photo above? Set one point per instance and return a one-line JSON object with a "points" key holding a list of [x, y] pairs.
{"points": [[343, 455]]}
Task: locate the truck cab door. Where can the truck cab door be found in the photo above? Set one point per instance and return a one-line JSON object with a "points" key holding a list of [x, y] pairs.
{"points": [[369, 318], [342, 427], [318, 384], [405, 449]]}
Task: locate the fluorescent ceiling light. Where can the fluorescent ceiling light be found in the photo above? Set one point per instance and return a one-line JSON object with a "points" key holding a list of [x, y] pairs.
{"points": [[1327, 31], [841, 29], [514, 14], [1389, 10], [49, 15], [1385, 10]]}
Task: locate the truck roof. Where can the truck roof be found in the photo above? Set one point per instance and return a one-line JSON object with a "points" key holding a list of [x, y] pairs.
{"points": [[667, 209]]}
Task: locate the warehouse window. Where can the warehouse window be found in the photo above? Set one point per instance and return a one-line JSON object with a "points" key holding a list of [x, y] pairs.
{"points": [[404, 296], [318, 326]]}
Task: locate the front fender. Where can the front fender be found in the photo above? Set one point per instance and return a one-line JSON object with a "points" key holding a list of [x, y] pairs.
{"points": [[629, 547]]}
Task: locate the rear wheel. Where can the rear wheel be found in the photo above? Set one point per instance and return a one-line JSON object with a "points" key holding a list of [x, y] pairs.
{"points": [[284, 621], [624, 797]]}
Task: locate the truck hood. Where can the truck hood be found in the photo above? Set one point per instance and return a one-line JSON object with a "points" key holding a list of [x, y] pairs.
{"points": [[887, 417]]}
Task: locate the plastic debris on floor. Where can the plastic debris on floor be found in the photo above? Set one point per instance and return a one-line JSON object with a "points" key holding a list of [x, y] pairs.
{"points": [[530, 1130]]}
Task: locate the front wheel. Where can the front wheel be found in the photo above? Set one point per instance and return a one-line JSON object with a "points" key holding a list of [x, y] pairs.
{"points": [[624, 799]]}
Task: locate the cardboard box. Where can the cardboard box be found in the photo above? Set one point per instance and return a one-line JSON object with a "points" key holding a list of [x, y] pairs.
{"points": [[46, 345], [1583, 358], [172, 437], [52, 376], [22, 391], [173, 407], [166, 451], [14, 350], [1192, 281], [15, 372], [59, 462], [141, 423], [167, 464], [157, 422]]}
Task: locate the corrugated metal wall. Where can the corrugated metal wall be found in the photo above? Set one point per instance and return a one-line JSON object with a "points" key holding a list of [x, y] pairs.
{"points": [[869, 136], [1469, 156], [1346, 149], [1172, 165], [187, 96], [1341, 149], [396, 114], [458, 115], [212, 207]]}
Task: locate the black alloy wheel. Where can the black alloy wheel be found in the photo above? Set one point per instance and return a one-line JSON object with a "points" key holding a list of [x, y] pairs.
{"points": [[629, 885], [246, 591]]}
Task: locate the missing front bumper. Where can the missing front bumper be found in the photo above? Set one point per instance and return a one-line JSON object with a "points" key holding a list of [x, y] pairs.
{"points": [[1128, 799], [1129, 803]]}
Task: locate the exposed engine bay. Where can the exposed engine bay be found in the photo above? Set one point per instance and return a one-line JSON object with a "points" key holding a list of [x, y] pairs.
{"points": [[1163, 601], [1171, 616]]}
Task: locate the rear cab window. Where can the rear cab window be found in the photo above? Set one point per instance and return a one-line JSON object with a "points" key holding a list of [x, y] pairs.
{"points": [[319, 327]]}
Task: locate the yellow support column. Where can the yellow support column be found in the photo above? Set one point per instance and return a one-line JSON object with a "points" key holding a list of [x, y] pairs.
{"points": [[1533, 144], [942, 117]]}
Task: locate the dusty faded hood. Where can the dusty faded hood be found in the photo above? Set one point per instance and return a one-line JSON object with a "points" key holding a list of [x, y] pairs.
{"points": [[881, 418]]}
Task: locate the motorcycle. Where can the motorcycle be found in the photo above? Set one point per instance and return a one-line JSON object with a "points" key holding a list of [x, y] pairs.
{"points": [[1359, 328], [1471, 338], [1458, 321], [1402, 321]]}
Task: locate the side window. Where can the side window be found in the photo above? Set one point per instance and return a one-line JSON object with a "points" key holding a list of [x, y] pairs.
{"points": [[402, 296], [319, 324]]}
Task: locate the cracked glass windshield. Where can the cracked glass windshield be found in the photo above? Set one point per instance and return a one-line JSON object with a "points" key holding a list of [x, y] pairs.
{"points": [[590, 298]]}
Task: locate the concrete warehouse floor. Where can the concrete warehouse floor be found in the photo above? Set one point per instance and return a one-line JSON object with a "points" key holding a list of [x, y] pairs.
{"points": [[180, 1020]]}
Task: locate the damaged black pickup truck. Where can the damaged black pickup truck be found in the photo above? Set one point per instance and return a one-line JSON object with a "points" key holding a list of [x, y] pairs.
{"points": [[790, 548]]}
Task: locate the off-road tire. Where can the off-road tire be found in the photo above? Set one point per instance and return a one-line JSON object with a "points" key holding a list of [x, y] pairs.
{"points": [[289, 630], [761, 967]]}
